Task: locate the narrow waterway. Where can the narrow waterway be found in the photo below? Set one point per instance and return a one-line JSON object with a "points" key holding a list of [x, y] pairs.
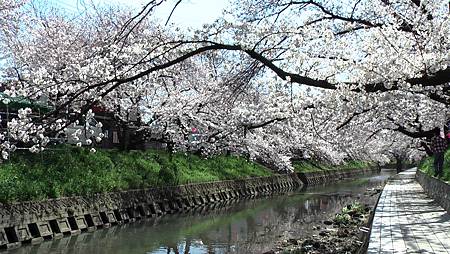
{"points": [[246, 226]]}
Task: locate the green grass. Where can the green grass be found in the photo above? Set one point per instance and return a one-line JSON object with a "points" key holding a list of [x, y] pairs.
{"points": [[353, 210], [314, 166], [426, 166], [71, 171]]}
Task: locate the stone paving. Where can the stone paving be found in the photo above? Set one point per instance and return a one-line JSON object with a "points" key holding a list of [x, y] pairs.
{"points": [[407, 221]]}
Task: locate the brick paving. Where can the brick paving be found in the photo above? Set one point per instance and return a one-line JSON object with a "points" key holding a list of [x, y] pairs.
{"points": [[407, 221]]}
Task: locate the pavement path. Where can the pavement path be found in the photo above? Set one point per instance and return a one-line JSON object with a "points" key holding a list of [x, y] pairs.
{"points": [[407, 221]]}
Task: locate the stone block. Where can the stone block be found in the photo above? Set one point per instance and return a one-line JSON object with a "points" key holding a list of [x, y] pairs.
{"points": [[180, 204], [155, 209], [81, 222], [185, 203], [197, 201], [108, 218], [164, 206], [77, 223], [44, 229], [37, 240], [96, 219], [123, 215], [210, 199], [11, 246], [62, 225], [3, 238], [170, 207], [23, 233], [133, 213], [144, 211], [218, 196]]}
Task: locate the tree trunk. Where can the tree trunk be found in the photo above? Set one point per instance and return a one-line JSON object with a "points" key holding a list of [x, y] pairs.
{"points": [[398, 164], [125, 142]]}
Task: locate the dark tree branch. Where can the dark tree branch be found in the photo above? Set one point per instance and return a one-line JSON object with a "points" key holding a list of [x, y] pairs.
{"points": [[146, 10], [354, 8], [439, 78], [413, 134], [373, 134], [173, 9], [352, 117], [260, 125]]}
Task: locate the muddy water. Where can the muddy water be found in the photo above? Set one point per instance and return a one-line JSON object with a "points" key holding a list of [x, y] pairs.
{"points": [[246, 226]]}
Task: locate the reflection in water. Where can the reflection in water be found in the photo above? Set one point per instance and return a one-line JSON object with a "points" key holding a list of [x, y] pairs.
{"points": [[246, 226]]}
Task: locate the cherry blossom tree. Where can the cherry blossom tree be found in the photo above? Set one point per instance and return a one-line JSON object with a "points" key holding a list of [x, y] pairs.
{"points": [[325, 79]]}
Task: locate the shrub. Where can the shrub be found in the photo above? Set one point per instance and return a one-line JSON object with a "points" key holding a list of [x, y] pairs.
{"points": [[169, 175], [355, 209], [426, 165], [69, 171]]}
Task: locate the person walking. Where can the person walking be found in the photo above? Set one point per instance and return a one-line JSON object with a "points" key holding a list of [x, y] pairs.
{"points": [[438, 146]]}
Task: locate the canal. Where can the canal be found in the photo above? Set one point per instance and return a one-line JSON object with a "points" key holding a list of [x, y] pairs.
{"points": [[244, 226]]}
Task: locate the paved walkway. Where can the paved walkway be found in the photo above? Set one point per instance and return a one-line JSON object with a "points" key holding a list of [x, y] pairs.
{"points": [[407, 221]]}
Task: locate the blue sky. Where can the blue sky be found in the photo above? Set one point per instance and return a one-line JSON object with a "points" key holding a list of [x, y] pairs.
{"points": [[191, 13]]}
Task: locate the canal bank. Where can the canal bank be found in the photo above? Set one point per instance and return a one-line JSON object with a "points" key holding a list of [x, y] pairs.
{"points": [[236, 226], [437, 189], [33, 222]]}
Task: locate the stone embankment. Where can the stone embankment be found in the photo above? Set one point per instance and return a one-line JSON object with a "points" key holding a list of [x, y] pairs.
{"points": [[435, 188], [32, 222]]}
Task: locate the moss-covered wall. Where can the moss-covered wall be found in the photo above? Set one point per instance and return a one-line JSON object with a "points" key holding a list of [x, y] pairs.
{"points": [[34, 221]]}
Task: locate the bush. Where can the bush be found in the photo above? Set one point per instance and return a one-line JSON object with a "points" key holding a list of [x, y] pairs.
{"points": [[426, 165], [349, 212], [73, 171]]}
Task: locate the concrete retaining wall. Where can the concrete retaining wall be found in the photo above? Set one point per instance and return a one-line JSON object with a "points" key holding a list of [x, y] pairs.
{"points": [[32, 222], [317, 178], [437, 189]]}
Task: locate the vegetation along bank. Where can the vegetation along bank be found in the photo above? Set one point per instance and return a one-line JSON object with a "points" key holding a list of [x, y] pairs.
{"points": [[71, 171], [427, 167]]}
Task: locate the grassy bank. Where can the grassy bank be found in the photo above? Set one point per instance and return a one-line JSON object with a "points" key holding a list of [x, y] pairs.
{"points": [[426, 166], [314, 166], [70, 171]]}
